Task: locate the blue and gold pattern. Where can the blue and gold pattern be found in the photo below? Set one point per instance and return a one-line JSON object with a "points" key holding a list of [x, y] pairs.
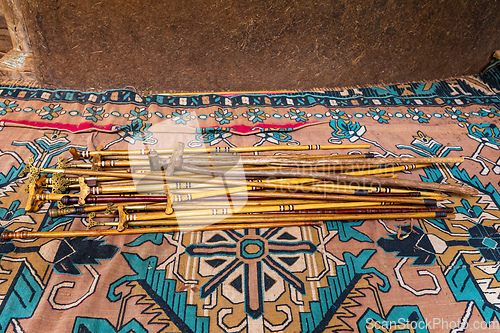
{"points": [[341, 276]]}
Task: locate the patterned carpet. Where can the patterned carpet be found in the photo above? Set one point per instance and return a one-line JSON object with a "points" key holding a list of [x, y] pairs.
{"points": [[443, 275]]}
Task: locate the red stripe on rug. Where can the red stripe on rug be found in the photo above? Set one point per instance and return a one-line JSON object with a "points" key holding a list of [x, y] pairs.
{"points": [[236, 129], [57, 125]]}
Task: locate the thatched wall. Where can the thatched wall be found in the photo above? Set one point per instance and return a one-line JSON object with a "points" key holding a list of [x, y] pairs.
{"points": [[186, 45]]}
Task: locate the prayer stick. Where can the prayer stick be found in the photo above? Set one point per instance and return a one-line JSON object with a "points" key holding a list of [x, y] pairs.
{"points": [[392, 209], [307, 161], [250, 220], [387, 169], [374, 190], [88, 154], [319, 196], [6, 235], [97, 199], [245, 209], [133, 161], [345, 179], [55, 212], [147, 206], [330, 160]]}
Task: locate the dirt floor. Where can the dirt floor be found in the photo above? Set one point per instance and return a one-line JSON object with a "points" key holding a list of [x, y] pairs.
{"points": [[220, 45]]}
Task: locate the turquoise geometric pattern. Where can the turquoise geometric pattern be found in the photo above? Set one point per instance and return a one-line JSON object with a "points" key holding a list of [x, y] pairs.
{"points": [[162, 291], [380, 275]]}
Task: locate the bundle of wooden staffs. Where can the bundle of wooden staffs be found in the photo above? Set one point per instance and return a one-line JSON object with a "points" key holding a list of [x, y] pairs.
{"points": [[224, 188]]}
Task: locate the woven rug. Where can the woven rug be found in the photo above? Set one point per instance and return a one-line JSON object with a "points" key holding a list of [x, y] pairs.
{"points": [[443, 275]]}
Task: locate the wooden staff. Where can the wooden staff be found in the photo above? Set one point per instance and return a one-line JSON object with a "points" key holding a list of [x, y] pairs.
{"points": [[261, 195], [387, 169], [6, 235], [345, 179], [55, 212], [97, 199], [125, 186], [288, 218], [260, 209], [369, 210], [294, 218], [321, 194], [154, 186], [375, 190], [351, 195], [330, 160], [79, 211], [146, 157], [123, 201], [241, 186], [307, 161], [325, 168], [226, 202], [88, 154], [139, 161], [392, 209], [248, 197], [73, 182]]}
